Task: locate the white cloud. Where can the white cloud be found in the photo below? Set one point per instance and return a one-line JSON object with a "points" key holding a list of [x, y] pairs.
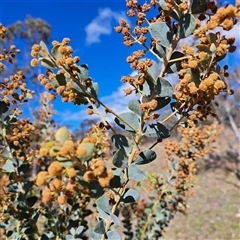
{"points": [[102, 24], [116, 101]]}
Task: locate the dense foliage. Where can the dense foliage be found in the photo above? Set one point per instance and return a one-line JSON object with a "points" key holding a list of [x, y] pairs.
{"points": [[77, 193]]}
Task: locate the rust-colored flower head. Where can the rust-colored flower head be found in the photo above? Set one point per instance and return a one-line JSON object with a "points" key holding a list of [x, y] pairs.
{"points": [[55, 169], [42, 178]]}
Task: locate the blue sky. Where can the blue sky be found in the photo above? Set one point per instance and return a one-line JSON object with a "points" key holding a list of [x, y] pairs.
{"points": [[90, 26]]}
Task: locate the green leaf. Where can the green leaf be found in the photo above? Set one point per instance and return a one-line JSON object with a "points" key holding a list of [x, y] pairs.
{"points": [[3, 107], [164, 88], [115, 219], [100, 227], [93, 235], [32, 200], [145, 157], [65, 162], [93, 89], [156, 130], [29, 96], [62, 135], [199, 6], [133, 105], [203, 48], [103, 203], [83, 72], [120, 159], [148, 87], [187, 24], [8, 166], [173, 67], [48, 63], [113, 235], [70, 237], [121, 141], [118, 179], [130, 195], [174, 13], [90, 149], [56, 54], [102, 214], [212, 37], [95, 189], [160, 51], [44, 46], [162, 102], [79, 230], [78, 88], [195, 75], [60, 80], [135, 173], [153, 71], [161, 31], [131, 118], [44, 49]]}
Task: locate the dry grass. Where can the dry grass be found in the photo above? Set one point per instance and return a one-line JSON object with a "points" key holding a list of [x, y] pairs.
{"points": [[214, 212]]}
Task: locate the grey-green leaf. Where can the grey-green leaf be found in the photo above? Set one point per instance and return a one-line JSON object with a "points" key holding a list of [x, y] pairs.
{"points": [[115, 219], [130, 195], [83, 72], [3, 107], [153, 71], [131, 118], [60, 80], [187, 24], [62, 134], [100, 227], [145, 157], [195, 75], [113, 235], [133, 105], [161, 31], [162, 102], [120, 159], [103, 203], [93, 235], [156, 130], [164, 88], [135, 173], [173, 67], [8, 166], [199, 6], [121, 141], [148, 87], [48, 63]]}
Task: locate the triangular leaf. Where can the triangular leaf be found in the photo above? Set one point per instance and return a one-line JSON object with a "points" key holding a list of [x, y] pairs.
{"points": [[62, 135], [164, 88], [199, 6], [161, 31], [187, 24], [135, 173], [133, 105], [120, 159], [145, 157], [121, 141], [131, 118], [156, 130], [130, 195], [103, 203]]}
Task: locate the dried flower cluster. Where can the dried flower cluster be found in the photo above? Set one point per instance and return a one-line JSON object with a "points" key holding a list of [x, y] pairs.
{"points": [[199, 82], [182, 155], [68, 72]]}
